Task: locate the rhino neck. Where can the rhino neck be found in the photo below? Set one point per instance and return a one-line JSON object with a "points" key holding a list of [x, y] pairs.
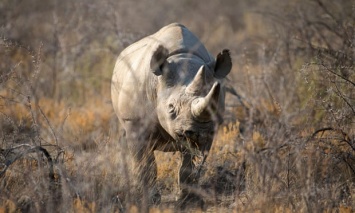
{"points": [[165, 142]]}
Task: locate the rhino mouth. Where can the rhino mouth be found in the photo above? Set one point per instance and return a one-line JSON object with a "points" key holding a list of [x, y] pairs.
{"points": [[199, 155], [189, 144]]}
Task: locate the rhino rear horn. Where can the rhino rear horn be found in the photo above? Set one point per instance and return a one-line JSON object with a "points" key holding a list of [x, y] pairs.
{"points": [[159, 56], [203, 108], [198, 82]]}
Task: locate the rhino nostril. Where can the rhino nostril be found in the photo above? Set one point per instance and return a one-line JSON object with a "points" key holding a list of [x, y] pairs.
{"points": [[189, 133], [179, 135]]}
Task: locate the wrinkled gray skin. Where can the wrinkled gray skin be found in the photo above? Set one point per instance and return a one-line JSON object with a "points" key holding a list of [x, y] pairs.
{"points": [[168, 95]]}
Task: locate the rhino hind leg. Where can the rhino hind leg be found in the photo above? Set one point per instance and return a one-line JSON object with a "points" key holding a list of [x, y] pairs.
{"points": [[189, 195]]}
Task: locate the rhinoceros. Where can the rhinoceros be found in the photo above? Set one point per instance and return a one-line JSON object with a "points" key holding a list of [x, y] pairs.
{"points": [[168, 94]]}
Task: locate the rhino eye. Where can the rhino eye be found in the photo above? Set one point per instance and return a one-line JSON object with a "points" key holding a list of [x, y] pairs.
{"points": [[172, 111]]}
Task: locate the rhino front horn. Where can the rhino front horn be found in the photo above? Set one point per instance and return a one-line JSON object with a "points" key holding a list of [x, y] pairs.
{"points": [[203, 108], [198, 82]]}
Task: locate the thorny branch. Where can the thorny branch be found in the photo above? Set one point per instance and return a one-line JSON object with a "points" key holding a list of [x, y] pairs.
{"points": [[346, 138], [30, 149], [54, 180]]}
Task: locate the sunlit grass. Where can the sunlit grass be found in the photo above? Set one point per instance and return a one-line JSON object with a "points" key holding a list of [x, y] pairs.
{"points": [[287, 144]]}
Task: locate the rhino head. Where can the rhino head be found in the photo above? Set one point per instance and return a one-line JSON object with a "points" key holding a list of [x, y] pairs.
{"points": [[190, 95]]}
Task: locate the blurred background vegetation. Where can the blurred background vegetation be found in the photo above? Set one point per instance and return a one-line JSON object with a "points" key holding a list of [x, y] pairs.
{"points": [[288, 141]]}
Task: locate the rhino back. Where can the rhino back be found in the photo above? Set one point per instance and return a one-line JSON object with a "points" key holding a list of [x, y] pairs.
{"points": [[178, 39]]}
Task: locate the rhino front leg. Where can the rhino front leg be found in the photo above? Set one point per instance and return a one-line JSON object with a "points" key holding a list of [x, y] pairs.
{"points": [[188, 183], [146, 174], [144, 170]]}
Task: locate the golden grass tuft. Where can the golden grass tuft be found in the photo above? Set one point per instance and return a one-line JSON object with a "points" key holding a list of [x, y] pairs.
{"points": [[81, 206], [7, 206]]}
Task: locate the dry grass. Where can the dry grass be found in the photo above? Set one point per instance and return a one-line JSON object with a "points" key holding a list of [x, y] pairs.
{"points": [[242, 172], [287, 144]]}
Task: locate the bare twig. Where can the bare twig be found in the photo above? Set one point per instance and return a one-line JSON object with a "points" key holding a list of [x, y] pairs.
{"points": [[49, 124], [65, 119], [53, 181], [325, 9], [352, 168], [9, 119], [340, 94], [30, 149], [346, 137], [34, 121]]}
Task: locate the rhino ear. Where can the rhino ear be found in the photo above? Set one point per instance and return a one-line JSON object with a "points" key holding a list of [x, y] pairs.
{"points": [[159, 56], [223, 64]]}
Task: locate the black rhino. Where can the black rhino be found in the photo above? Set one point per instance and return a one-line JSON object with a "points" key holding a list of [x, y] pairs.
{"points": [[167, 91]]}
